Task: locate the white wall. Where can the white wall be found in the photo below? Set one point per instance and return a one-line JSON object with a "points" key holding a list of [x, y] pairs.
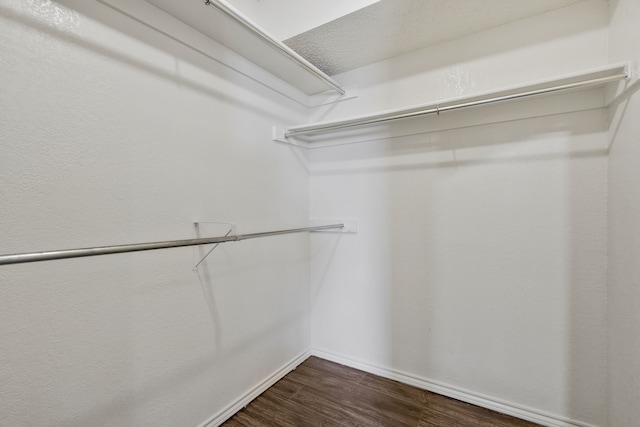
{"points": [[480, 261], [624, 227], [106, 139]]}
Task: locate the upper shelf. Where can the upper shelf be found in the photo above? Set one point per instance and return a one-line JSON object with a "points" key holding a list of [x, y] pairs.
{"points": [[221, 22], [579, 81]]}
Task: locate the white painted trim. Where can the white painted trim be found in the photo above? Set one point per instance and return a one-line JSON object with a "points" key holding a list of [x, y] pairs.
{"points": [[478, 399], [228, 411]]}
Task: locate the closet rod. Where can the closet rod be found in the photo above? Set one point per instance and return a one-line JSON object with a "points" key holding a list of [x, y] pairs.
{"points": [[279, 46], [136, 247], [438, 108]]}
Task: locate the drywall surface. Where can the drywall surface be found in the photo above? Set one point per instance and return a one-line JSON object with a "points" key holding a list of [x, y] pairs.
{"points": [[112, 133], [624, 228], [480, 258]]}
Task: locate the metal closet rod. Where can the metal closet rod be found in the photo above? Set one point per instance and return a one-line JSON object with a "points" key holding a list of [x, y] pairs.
{"points": [[279, 46], [137, 247], [306, 130]]}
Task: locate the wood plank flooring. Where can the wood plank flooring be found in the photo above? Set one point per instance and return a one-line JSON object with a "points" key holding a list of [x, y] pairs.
{"points": [[322, 393]]}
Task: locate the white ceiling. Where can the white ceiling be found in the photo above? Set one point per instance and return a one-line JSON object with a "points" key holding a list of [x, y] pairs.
{"points": [[392, 27], [287, 18]]}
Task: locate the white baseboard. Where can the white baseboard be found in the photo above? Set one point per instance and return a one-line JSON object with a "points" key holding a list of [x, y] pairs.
{"points": [[457, 393], [254, 392]]}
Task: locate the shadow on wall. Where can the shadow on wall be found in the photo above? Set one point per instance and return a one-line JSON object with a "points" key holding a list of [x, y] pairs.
{"points": [[128, 405], [509, 245], [622, 102], [182, 54], [323, 252], [480, 261], [470, 145]]}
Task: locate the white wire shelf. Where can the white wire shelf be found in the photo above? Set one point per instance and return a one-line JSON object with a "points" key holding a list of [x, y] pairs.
{"points": [[586, 80]]}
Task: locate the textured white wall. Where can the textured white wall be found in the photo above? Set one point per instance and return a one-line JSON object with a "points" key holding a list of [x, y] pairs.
{"points": [[624, 228], [482, 267], [106, 139], [480, 260]]}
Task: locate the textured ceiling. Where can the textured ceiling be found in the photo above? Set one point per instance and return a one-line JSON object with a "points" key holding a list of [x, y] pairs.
{"points": [[393, 27]]}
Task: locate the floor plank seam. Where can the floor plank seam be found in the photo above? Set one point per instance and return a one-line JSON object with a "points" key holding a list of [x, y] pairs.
{"points": [[290, 398], [422, 406], [361, 379], [321, 418]]}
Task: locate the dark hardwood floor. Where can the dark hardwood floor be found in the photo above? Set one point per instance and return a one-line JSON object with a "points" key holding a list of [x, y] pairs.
{"points": [[322, 393]]}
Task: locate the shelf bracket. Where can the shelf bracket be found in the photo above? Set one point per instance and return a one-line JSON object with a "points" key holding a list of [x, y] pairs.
{"points": [[350, 225], [277, 135], [196, 226]]}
